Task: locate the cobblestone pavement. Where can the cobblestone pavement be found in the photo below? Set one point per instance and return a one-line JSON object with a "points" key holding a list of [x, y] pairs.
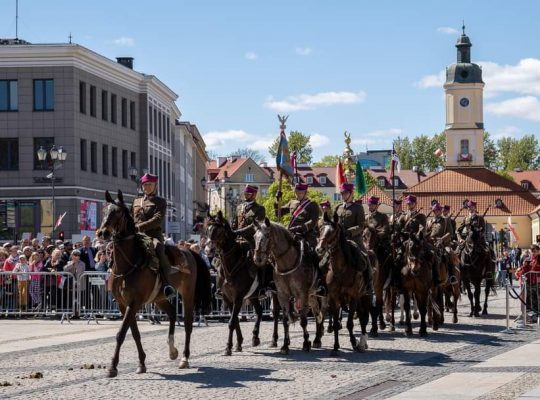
{"points": [[393, 363]]}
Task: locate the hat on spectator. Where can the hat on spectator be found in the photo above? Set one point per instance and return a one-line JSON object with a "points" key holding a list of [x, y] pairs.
{"points": [[251, 189], [28, 248], [300, 187], [436, 207], [471, 203], [325, 204], [410, 199], [50, 249], [148, 178], [373, 201], [346, 187]]}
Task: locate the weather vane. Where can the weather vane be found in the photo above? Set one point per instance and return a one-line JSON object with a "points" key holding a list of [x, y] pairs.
{"points": [[282, 120]]}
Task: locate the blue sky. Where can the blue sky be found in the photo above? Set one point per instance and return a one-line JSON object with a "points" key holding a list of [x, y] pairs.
{"points": [[372, 68]]}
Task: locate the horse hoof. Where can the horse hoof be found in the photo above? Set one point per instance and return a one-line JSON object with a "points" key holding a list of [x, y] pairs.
{"points": [[255, 341], [317, 344], [227, 352], [415, 315], [330, 329], [392, 328], [408, 332], [184, 364], [423, 333], [238, 349], [477, 314], [455, 320], [274, 343], [484, 312], [401, 322], [306, 346], [112, 372], [470, 314], [141, 369], [435, 327], [173, 355], [382, 326], [373, 333], [284, 351]]}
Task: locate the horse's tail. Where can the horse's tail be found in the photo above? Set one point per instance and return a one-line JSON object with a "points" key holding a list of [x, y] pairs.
{"points": [[203, 286]]}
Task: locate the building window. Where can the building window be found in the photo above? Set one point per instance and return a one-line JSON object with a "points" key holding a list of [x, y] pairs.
{"points": [[249, 178], [104, 105], [525, 185], [337, 196], [124, 112], [132, 115], [46, 143], [82, 97], [114, 159], [113, 108], [93, 157], [93, 101], [151, 120], [382, 182], [309, 180], [155, 122], [8, 96], [43, 95], [83, 155], [464, 150], [133, 159], [322, 180], [396, 182], [152, 165], [124, 164], [168, 129], [9, 154], [105, 159], [159, 125]]}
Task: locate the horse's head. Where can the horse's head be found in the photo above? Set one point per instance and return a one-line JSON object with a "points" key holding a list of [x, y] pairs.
{"points": [[261, 254], [117, 220], [414, 253], [328, 235], [218, 233]]}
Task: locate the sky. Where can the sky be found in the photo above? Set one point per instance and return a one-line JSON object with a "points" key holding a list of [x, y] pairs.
{"points": [[372, 68]]}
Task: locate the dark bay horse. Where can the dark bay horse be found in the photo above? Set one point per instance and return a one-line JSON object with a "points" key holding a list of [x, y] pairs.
{"points": [[476, 265], [382, 269], [135, 284], [295, 275], [239, 275], [345, 281]]}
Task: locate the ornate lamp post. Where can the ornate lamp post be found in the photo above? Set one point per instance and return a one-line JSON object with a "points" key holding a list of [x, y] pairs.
{"points": [[233, 201], [58, 157], [134, 174], [349, 165]]}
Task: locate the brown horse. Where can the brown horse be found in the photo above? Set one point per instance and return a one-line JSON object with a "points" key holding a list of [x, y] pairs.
{"points": [[295, 275], [476, 265], [381, 274], [346, 286], [135, 284], [239, 275], [416, 279]]}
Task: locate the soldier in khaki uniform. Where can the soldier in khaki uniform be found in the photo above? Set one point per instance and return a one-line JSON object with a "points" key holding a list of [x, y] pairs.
{"points": [[351, 216], [149, 212], [473, 220], [380, 223], [247, 212], [451, 221], [439, 231]]}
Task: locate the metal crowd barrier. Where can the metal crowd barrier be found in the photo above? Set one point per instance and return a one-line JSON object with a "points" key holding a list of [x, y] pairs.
{"points": [[530, 298], [37, 293]]}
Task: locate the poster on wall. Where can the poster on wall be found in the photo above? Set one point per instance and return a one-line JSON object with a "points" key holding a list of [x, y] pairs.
{"points": [[88, 215]]}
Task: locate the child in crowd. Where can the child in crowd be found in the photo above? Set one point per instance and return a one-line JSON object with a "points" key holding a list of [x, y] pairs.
{"points": [[22, 282], [36, 265]]}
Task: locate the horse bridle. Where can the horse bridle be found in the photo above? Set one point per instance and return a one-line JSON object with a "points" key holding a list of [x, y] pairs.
{"points": [[225, 254], [332, 245], [270, 249]]}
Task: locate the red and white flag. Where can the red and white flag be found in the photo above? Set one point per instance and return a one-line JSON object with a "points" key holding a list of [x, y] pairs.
{"points": [[512, 229], [340, 176], [395, 164], [293, 161], [439, 153], [59, 220]]}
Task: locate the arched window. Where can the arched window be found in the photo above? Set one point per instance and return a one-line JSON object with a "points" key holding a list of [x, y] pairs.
{"points": [[464, 147]]}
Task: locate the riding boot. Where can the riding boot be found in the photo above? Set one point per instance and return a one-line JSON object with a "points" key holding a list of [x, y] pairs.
{"points": [[164, 270]]}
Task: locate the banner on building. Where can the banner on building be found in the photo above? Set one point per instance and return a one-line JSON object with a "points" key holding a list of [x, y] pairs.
{"points": [[88, 216]]}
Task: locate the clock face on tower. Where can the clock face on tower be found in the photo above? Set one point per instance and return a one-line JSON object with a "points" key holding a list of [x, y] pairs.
{"points": [[464, 102]]}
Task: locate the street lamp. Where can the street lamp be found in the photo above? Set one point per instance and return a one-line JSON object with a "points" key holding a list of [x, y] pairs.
{"points": [[133, 174], [58, 156], [233, 201]]}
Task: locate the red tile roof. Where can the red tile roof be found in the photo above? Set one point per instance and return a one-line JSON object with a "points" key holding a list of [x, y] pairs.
{"points": [[230, 166], [375, 190], [532, 176], [453, 186], [408, 177], [316, 173]]}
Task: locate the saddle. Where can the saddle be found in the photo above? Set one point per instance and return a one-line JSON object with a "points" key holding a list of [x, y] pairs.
{"points": [[150, 259]]}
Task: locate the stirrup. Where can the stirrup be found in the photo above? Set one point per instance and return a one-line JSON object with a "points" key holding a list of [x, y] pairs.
{"points": [[321, 291], [169, 292], [263, 293], [218, 294], [452, 280]]}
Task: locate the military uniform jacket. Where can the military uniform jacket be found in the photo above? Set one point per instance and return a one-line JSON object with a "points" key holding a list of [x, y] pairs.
{"points": [[307, 218], [149, 213], [246, 213], [351, 216], [438, 227], [475, 221], [379, 221], [413, 220]]}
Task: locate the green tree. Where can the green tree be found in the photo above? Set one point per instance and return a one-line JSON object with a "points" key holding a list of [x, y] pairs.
{"points": [[490, 152], [287, 194], [370, 180], [327, 161], [423, 151], [246, 152], [297, 142], [521, 153]]}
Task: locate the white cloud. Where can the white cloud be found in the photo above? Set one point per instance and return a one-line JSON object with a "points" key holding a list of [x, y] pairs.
{"points": [[430, 81], [262, 144], [448, 30], [216, 139], [527, 107], [303, 51], [124, 41], [250, 55], [310, 102], [317, 140], [384, 133], [507, 131]]}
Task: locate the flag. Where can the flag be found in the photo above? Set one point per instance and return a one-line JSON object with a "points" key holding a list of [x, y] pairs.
{"points": [[512, 229], [439, 153], [395, 164], [59, 220], [293, 161], [283, 159], [340, 176], [360, 184]]}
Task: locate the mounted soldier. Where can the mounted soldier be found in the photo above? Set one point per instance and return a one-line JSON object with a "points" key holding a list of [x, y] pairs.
{"points": [[439, 232], [149, 212], [473, 221], [351, 216], [446, 214]]}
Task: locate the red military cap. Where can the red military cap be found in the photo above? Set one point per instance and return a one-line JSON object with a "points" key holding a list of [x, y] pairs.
{"points": [[471, 203], [436, 207], [346, 187], [251, 189], [373, 200], [410, 199], [325, 204], [300, 187], [149, 178]]}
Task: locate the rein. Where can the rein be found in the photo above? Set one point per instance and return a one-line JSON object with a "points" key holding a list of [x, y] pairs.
{"points": [[134, 267], [299, 258]]}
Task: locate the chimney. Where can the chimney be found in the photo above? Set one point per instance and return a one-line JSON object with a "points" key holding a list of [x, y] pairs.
{"points": [[125, 61], [221, 161], [263, 164]]}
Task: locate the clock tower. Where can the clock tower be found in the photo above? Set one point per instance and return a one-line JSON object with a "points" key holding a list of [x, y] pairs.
{"points": [[463, 91]]}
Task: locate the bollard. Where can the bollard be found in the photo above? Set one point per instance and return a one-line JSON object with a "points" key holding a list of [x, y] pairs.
{"points": [[507, 290]]}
